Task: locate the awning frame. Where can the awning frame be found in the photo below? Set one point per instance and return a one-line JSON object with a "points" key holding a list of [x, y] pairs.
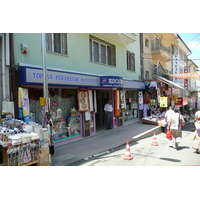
{"points": [[171, 83]]}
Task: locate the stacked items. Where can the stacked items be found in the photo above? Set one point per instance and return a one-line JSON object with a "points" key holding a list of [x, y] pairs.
{"points": [[4, 135], [63, 129], [44, 135], [21, 143], [73, 125], [22, 154], [16, 136], [44, 153], [12, 123]]}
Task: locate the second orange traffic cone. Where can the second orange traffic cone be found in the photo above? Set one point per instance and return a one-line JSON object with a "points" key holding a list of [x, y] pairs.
{"points": [[127, 155], [154, 142]]}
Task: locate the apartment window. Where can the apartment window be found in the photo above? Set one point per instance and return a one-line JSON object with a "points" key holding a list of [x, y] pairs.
{"points": [[56, 42], [102, 51], [147, 75], [146, 42], [130, 61]]}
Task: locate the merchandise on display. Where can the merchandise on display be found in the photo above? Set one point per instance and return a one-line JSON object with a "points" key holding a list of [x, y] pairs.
{"points": [[23, 144], [68, 128]]}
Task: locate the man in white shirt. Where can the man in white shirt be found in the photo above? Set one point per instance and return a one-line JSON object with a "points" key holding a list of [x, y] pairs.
{"points": [[167, 114], [109, 115], [175, 123]]}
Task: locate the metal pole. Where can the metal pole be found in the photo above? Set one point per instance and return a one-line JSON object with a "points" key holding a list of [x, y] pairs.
{"points": [[45, 87], [44, 67]]}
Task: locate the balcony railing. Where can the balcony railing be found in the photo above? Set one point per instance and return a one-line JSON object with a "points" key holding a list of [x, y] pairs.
{"points": [[157, 45]]}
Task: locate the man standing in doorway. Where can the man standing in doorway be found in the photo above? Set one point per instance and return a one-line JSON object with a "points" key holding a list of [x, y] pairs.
{"points": [[109, 115]]}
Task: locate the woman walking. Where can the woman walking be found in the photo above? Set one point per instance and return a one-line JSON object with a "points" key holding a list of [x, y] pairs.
{"points": [[197, 138]]}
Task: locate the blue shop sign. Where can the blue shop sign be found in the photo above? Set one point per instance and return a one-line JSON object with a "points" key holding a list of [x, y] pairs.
{"points": [[111, 81], [35, 76]]}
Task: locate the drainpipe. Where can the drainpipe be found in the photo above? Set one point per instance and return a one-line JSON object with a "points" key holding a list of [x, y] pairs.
{"points": [[13, 77], [3, 73]]}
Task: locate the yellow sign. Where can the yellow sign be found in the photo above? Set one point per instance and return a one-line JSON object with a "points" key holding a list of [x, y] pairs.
{"points": [[163, 102], [175, 98], [42, 101]]}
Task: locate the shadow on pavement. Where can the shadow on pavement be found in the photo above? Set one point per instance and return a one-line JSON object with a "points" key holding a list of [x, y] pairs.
{"points": [[181, 147], [170, 159]]}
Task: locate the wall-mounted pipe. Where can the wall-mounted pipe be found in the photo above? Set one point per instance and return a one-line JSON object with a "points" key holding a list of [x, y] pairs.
{"points": [[3, 72]]}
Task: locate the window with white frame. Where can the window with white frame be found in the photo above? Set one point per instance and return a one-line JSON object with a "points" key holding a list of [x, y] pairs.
{"points": [[147, 75], [130, 61], [146, 42], [56, 42], [102, 51]]}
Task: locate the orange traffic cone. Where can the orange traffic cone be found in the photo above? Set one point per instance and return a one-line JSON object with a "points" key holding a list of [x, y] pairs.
{"points": [[154, 142], [127, 155]]}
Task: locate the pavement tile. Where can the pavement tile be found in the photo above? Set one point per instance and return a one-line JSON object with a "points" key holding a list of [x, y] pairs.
{"points": [[72, 152]]}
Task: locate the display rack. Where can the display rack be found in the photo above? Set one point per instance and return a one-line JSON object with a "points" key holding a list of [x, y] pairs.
{"points": [[5, 156]]}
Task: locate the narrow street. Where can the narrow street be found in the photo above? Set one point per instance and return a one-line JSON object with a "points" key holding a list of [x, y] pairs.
{"points": [[144, 154]]}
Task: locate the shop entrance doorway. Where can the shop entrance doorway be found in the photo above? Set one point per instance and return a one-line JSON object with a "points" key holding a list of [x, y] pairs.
{"points": [[102, 98]]}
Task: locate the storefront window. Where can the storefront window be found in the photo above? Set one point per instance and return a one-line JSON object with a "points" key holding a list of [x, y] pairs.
{"points": [[63, 111], [131, 109]]}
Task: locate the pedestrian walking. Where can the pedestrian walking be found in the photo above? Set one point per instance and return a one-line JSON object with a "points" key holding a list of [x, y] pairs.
{"points": [[196, 115], [109, 115], [196, 144], [175, 123], [167, 114]]}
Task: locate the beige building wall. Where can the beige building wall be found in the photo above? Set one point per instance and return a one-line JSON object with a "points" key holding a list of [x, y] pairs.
{"points": [[150, 59]]}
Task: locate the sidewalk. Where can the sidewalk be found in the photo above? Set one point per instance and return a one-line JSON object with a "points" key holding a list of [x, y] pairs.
{"points": [[89, 146], [144, 154]]}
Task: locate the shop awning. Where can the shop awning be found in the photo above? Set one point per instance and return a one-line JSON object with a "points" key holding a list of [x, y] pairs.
{"points": [[185, 75], [171, 83]]}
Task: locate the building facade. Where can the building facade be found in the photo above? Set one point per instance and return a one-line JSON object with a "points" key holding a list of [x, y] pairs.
{"points": [[84, 71], [164, 54]]}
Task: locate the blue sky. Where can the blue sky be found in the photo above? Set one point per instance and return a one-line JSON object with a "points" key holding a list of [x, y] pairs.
{"points": [[192, 40]]}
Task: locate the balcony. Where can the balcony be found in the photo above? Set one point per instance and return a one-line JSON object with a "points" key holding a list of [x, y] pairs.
{"points": [[160, 51]]}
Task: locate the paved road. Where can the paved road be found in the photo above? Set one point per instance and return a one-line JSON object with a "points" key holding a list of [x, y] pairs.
{"points": [[144, 154], [69, 153]]}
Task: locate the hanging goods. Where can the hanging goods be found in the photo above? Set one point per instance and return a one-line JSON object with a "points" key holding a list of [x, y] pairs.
{"points": [[127, 155], [154, 142]]}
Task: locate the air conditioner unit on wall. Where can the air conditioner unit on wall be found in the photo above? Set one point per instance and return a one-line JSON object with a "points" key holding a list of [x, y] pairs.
{"points": [[139, 77]]}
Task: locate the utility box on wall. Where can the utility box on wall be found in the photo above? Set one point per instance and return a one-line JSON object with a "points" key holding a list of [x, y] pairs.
{"points": [[24, 48]]}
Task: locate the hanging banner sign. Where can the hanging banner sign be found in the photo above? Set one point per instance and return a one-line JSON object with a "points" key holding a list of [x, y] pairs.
{"points": [[176, 67], [116, 98], [182, 101], [163, 102], [186, 80], [140, 100]]}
